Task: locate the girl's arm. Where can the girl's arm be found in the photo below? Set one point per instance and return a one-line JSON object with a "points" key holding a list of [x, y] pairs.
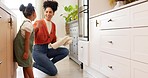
{"points": [[26, 47]]}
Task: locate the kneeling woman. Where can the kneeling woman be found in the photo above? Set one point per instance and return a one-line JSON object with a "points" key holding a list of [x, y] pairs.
{"points": [[45, 34]]}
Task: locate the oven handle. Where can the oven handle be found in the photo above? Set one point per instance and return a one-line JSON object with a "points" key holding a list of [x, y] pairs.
{"points": [[83, 11]]}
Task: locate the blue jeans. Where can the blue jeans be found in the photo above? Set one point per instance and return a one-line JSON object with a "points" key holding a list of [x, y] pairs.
{"points": [[45, 58]]}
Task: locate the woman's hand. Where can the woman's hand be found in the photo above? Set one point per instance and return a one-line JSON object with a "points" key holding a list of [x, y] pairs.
{"points": [[25, 55]]}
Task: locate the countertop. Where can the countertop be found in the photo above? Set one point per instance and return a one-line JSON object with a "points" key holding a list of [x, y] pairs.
{"points": [[119, 8]]}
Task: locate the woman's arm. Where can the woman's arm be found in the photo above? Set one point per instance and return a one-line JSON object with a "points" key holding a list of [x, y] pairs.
{"points": [[37, 25]]}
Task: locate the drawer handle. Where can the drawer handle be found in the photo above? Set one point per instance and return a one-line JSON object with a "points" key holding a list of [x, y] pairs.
{"points": [[1, 62], [10, 21], [110, 20], [111, 67], [81, 47], [97, 23], [111, 42]]}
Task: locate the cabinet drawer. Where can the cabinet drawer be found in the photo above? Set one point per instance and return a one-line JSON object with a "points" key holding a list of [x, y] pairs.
{"points": [[75, 38], [140, 44], [139, 70], [116, 42], [115, 67], [73, 30], [139, 15], [117, 19]]}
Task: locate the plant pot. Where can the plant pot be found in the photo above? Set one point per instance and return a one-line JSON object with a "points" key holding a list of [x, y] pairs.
{"points": [[67, 29], [119, 3]]}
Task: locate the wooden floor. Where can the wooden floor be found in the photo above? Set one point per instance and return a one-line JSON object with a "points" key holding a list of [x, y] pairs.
{"points": [[66, 69]]}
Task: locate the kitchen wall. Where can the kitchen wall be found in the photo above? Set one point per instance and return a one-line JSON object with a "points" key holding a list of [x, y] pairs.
{"points": [[59, 20], [98, 6]]}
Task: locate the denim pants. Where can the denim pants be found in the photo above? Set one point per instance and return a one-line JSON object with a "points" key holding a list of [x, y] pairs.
{"points": [[45, 58]]}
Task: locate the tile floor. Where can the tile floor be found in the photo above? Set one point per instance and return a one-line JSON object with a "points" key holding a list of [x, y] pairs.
{"points": [[66, 69]]}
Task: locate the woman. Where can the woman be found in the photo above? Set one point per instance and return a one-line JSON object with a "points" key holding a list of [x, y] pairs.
{"points": [[24, 41], [45, 34]]}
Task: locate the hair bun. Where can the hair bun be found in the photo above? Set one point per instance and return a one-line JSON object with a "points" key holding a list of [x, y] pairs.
{"points": [[52, 4], [29, 5], [22, 8]]}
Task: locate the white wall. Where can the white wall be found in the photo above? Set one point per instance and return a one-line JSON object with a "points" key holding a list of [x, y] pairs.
{"points": [[59, 20], [98, 6]]}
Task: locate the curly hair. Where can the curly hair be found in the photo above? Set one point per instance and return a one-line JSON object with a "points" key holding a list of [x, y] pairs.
{"points": [[52, 4], [27, 10]]}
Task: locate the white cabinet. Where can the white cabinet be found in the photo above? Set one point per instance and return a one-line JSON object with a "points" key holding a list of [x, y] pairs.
{"points": [[94, 44], [115, 19], [114, 66], [83, 51], [140, 44], [139, 70], [139, 15], [116, 42], [122, 42], [139, 50]]}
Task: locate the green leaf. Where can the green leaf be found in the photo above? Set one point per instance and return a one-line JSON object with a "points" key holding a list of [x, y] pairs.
{"points": [[71, 13]]}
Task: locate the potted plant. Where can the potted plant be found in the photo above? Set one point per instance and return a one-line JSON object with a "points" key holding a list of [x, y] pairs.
{"points": [[71, 14], [113, 2]]}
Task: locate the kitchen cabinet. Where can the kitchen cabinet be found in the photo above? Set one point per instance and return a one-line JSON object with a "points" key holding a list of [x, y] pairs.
{"points": [[139, 36], [116, 41], [94, 44], [139, 70], [113, 19], [122, 40], [139, 32], [83, 52], [3, 46], [114, 66], [11, 65], [7, 33], [74, 45], [139, 50]]}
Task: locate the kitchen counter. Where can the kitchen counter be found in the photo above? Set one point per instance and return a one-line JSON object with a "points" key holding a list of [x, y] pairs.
{"points": [[121, 7]]}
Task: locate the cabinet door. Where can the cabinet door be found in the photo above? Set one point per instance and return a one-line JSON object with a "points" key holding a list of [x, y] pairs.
{"points": [[83, 52], [140, 44], [74, 45], [10, 36], [3, 40], [94, 44], [139, 70], [139, 15]]}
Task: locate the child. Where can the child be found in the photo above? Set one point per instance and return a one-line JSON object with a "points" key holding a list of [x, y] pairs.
{"points": [[24, 41]]}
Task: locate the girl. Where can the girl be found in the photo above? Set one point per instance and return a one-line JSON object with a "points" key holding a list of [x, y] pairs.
{"points": [[24, 41]]}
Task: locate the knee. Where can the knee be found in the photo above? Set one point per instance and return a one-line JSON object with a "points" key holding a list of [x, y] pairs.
{"points": [[53, 73], [66, 51]]}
